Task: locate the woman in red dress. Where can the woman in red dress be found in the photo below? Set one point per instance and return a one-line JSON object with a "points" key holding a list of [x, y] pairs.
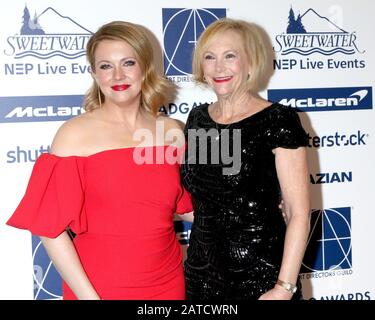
{"points": [[117, 196]]}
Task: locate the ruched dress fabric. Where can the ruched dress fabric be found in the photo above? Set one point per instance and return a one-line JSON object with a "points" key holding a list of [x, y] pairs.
{"points": [[122, 214], [236, 242]]}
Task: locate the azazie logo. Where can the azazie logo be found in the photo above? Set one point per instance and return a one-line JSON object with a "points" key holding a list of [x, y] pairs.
{"points": [[47, 281], [324, 99], [310, 33], [41, 37], [40, 108], [331, 177], [181, 29], [329, 246]]}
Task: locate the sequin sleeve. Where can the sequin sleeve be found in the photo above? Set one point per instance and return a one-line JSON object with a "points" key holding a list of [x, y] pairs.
{"points": [[285, 129]]}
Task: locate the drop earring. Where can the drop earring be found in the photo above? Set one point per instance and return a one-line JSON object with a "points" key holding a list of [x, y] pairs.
{"points": [[99, 96]]}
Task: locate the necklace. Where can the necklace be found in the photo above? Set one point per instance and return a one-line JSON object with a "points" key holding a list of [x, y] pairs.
{"points": [[220, 131]]}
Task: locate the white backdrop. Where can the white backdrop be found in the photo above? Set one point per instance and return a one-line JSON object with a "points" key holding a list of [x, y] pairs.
{"points": [[332, 63]]}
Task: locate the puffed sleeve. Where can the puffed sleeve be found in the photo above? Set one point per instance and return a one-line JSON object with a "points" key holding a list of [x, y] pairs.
{"points": [[54, 198], [184, 204], [285, 129]]}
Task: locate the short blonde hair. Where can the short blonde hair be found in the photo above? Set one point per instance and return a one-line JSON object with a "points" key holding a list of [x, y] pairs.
{"points": [[252, 41], [155, 88]]}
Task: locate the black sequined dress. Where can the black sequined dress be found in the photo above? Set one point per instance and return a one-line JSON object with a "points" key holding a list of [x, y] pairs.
{"points": [[237, 238]]}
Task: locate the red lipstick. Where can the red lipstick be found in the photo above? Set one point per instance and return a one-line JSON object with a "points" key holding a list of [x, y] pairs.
{"points": [[221, 80], [120, 87]]}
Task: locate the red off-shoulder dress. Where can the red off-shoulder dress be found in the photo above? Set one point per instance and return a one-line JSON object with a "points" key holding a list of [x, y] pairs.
{"points": [[122, 214]]}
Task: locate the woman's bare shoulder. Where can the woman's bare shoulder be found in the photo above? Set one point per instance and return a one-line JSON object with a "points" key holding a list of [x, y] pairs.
{"points": [[171, 123], [173, 130], [71, 137]]}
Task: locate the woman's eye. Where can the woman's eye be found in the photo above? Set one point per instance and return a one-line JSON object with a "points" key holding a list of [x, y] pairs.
{"points": [[230, 56], [129, 63], [208, 57], [104, 66]]}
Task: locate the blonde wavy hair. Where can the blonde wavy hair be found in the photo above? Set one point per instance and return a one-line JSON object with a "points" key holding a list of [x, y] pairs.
{"points": [[154, 87], [252, 42]]}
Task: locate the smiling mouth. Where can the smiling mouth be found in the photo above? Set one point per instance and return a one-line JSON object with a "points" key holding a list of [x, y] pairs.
{"points": [[120, 87], [222, 79]]}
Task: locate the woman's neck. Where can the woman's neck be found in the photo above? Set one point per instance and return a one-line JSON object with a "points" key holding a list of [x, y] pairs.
{"points": [[231, 109]]}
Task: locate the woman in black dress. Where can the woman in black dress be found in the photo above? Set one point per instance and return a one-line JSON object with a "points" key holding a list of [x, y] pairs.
{"points": [[243, 155]]}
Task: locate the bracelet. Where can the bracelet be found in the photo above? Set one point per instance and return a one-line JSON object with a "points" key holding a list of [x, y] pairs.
{"points": [[287, 286]]}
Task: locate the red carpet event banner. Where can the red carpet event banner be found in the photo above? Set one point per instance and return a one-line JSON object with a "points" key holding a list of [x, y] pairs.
{"points": [[321, 62]]}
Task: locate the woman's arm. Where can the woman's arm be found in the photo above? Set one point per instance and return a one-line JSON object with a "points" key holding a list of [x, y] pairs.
{"points": [[61, 249], [63, 254], [292, 171]]}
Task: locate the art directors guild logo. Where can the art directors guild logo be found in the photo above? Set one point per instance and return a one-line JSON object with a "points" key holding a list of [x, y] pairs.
{"points": [[41, 39], [329, 249], [181, 30], [47, 281]]}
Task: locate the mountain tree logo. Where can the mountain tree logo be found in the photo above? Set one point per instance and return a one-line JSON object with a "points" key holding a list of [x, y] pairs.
{"points": [[41, 37], [329, 245], [295, 25], [47, 281], [181, 30], [311, 33], [30, 26]]}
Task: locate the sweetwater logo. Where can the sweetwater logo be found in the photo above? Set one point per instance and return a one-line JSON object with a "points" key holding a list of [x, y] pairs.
{"points": [[40, 108], [47, 281], [181, 29], [40, 39], [39, 42], [324, 99], [301, 41], [329, 249], [311, 33]]}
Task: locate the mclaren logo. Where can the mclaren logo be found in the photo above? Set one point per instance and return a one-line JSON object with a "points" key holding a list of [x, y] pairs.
{"points": [[353, 100], [324, 99]]}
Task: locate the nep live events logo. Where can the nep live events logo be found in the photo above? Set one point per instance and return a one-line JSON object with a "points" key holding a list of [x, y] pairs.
{"points": [[40, 38], [311, 33]]}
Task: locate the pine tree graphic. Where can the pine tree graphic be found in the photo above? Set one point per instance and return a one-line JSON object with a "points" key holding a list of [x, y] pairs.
{"points": [[30, 26], [294, 25]]}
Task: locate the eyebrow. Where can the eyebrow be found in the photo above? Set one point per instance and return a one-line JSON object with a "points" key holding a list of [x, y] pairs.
{"points": [[122, 60], [227, 51]]}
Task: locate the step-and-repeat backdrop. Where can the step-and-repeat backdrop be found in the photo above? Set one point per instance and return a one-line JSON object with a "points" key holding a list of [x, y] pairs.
{"points": [[322, 62]]}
